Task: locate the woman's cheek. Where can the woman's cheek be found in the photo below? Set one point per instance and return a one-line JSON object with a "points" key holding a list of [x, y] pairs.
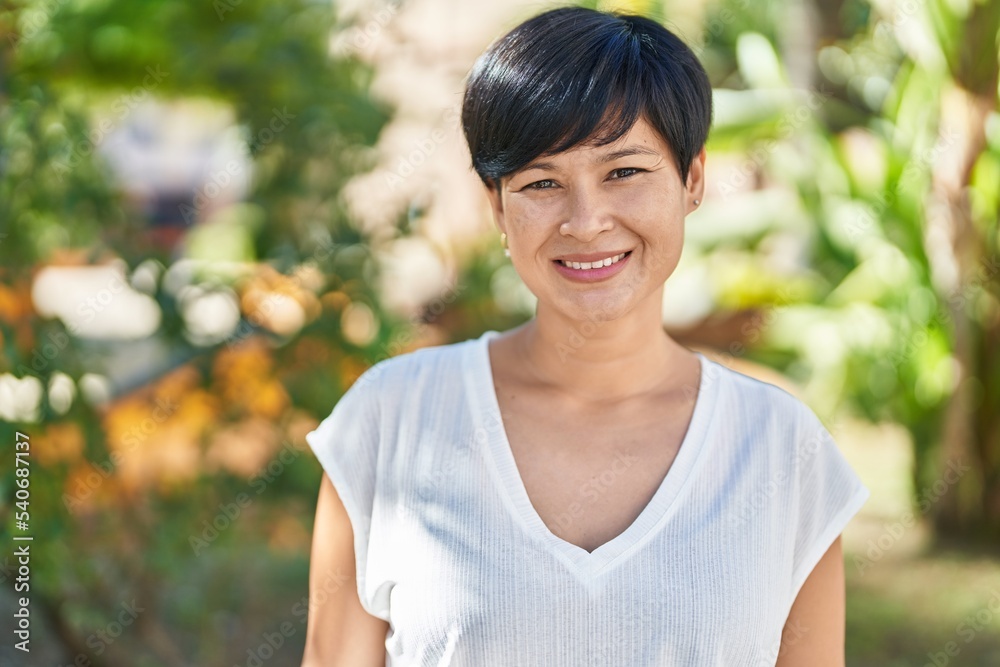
{"points": [[531, 215], [644, 200]]}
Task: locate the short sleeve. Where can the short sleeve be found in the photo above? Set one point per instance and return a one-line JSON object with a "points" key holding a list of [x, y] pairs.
{"points": [[346, 444], [830, 493]]}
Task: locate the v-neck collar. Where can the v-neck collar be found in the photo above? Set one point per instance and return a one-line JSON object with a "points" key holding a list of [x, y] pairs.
{"points": [[587, 565]]}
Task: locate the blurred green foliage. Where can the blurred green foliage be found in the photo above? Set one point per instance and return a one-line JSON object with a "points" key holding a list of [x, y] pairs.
{"points": [[105, 538], [889, 168]]}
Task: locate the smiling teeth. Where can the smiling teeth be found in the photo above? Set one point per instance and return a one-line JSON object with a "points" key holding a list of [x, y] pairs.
{"points": [[607, 261]]}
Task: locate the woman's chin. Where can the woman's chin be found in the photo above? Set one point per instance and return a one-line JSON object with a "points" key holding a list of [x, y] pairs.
{"points": [[595, 311]]}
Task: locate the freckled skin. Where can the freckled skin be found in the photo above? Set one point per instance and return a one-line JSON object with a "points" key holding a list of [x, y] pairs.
{"points": [[579, 204]]}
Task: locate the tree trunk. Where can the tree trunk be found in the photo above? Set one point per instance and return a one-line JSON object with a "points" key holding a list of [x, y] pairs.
{"points": [[963, 266]]}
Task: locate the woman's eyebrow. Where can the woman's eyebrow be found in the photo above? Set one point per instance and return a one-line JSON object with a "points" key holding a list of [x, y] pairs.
{"points": [[541, 164], [627, 151]]}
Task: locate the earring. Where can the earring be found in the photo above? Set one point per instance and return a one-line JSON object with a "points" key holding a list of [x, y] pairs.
{"points": [[503, 243], [697, 201]]}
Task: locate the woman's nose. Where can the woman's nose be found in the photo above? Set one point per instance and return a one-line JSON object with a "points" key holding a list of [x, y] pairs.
{"points": [[589, 213]]}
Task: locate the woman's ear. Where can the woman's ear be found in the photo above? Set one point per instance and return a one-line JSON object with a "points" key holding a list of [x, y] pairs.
{"points": [[696, 181]]}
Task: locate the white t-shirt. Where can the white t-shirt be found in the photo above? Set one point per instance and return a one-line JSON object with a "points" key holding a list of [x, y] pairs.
{"points": [[450, 551]]}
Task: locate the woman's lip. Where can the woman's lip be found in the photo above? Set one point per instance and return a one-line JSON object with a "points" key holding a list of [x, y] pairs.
{"points": [[592, 275]]}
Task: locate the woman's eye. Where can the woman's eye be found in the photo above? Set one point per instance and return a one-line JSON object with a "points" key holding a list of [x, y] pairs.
{"points": [[539, 185], [625, 172]]}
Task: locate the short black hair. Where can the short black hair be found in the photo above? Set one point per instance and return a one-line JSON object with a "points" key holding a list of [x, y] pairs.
{"points": [[574, 74]]}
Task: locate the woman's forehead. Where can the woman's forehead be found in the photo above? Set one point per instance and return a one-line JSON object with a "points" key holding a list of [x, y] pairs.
{"points": [[640, 139]]}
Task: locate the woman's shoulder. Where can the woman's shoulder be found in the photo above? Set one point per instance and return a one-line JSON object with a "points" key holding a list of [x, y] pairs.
{"points": [[759, 393], [436, 363]]}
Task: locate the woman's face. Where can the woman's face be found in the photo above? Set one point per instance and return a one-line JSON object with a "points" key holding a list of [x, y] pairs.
{"points": [[593, 203]]}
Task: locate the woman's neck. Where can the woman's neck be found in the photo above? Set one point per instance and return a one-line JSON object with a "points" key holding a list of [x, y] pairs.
{"points": [[599, 362]]}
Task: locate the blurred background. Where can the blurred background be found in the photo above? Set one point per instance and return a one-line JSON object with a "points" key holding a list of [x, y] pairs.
{"points": [[215, 215]]}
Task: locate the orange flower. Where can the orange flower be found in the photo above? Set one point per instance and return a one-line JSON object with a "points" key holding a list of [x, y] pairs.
{"points": [[350, 370], [9, 306], [59, 442], [245, 377], [270, 400], [90, 487], [336, 300], [244, 448]]}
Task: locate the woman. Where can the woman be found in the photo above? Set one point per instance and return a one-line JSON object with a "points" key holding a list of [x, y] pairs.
{"points": [[580, 490]]}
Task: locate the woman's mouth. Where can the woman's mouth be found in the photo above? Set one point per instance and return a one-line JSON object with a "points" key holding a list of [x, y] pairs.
{"points": [[599, 269], [587, 266]]}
